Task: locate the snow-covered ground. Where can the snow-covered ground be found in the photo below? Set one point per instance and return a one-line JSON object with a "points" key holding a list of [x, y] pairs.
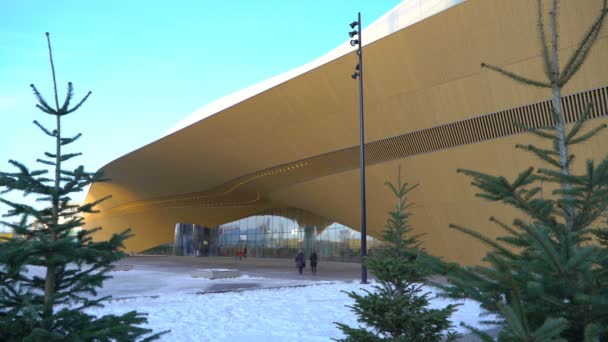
{"points": [[304, 313], [279, 310]]}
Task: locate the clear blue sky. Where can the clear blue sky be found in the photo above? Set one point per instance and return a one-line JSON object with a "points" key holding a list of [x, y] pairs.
{"points": [[150, 63]]}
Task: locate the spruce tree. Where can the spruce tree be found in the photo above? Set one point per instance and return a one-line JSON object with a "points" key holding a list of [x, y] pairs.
{"points": [[53, 307], [397, 309], [543, 277]]}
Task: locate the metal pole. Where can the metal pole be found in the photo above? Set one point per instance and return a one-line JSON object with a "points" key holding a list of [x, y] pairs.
{"points": [[362, 157]]}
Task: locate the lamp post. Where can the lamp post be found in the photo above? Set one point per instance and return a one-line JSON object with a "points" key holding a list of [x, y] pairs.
{"points": [[355, 36]]}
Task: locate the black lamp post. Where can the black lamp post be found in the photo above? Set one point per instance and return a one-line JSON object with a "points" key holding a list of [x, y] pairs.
{"points": [[358, 74]]}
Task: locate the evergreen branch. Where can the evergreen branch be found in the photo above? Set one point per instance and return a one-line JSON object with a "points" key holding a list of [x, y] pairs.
{"points": [[584, 47], [44, 199], [513, 321], [532, 192], [43, 105], [20, 209], [554, 176], [545, 243], [514, 241], [482, 179], [550, 330], [522, 179], [69, 156], [579, 122], [541, 153], [583, 255], [46, 162], [65, 141], [12, 225], [587, 135], [543, 40], [536, 212], [46, 131], [23, 181], [88, 207], [38, 173], [535, 130], [52, 112], [483, 239], [68, 173], [594, 201], [504, 226], [79, 104], [68, 98], [516, 77], [526, 127]]}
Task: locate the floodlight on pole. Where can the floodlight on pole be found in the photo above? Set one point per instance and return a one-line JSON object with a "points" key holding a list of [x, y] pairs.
{"points": [[359, 75]]}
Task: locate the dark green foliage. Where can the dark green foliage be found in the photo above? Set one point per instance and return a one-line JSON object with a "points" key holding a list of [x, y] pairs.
{"points": [[545, 280], [602, 233], [52, 307], [397, 309]]}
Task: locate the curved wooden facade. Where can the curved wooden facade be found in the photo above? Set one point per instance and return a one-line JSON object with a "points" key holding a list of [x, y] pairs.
{"points": [[429, 108]]}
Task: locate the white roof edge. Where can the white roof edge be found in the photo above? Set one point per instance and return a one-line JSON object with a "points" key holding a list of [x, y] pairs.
{"points": [[405, 14]]}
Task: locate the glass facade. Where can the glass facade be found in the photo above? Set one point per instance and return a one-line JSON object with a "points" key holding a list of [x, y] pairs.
{"points": [[278, 233]]}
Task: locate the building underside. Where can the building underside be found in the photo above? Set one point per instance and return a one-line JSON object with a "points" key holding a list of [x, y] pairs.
{"points": [[430, 110]]}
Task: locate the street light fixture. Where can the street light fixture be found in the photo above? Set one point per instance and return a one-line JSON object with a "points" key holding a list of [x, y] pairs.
{"points": [[359, 75]]}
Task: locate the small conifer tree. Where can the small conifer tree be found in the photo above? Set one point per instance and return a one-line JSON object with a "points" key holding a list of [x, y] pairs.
{"points": [[544, 278], [53, 307], [397, 309]]}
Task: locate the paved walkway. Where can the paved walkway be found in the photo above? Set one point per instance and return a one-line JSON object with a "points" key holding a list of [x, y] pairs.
{"points": [[158, 275], [254, 267]]}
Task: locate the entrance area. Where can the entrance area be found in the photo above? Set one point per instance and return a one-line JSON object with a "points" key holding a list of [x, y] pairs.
{"points": [[278, 233]]}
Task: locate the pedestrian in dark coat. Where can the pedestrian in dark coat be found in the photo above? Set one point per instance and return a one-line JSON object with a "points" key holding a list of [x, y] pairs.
{"points": [[300, 261], [313, 263]]}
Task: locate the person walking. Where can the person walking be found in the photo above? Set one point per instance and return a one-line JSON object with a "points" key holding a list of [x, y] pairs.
{"points": [[300, 261], [313, 263]]}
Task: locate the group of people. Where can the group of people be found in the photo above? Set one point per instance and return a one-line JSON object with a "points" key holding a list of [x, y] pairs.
{"points": [[301, 262]]}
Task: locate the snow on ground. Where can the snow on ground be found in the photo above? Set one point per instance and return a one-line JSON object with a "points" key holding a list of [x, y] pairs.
{"points": [[280, 310], [286, 314]]}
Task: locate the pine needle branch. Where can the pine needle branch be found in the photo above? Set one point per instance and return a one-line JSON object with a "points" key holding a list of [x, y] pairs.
{"points": [[79, 104], [45, 130], [587, 135], [538, 131], [66, 141], [43, 105], [542, 37], [515, 76], [486, 240], [580, 54], [580, 121], [68, 98], [541, 153]]}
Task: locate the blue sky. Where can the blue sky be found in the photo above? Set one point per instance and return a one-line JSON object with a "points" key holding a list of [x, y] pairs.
{"points": [[150, 63]]}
